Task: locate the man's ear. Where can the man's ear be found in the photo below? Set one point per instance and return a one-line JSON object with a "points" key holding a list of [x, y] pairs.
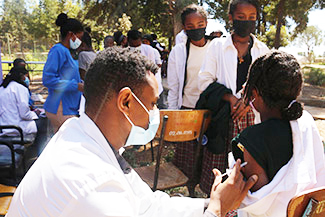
{"points": [[123, 100]]}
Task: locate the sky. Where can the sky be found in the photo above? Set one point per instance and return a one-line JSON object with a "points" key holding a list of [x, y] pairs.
{"points": [[316, 18]]}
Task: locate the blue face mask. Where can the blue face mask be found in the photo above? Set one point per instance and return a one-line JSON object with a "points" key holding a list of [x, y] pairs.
{"points": [[138, 135], [27, 82]]}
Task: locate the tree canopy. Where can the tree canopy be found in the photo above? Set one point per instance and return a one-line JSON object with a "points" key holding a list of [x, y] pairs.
{"points": [[30, 24]]}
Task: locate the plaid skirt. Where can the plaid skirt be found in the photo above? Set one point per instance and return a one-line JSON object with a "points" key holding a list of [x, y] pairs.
{"points": [[185, 155]]}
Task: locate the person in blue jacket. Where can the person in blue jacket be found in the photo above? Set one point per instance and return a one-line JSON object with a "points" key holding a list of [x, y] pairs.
{"points": [[61, 73]]}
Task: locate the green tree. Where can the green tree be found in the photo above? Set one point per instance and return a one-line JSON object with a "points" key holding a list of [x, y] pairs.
{"points": [[159, 16], [269, 37], [13, 26], [310, 38]]}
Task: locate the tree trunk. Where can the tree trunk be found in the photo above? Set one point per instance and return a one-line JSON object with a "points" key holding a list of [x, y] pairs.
{"points": [[279, 24]]}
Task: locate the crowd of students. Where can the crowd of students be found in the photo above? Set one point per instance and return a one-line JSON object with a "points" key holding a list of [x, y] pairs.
{"points": [[250, 91]]}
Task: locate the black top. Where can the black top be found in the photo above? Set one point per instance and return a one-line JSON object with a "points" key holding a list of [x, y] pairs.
{"points": [[242, 67], [269, 143]]}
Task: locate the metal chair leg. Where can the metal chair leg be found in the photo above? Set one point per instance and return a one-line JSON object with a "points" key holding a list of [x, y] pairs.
{"points": [[152, 154]]}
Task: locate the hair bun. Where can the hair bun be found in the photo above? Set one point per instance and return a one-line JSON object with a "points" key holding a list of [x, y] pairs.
{"points": [[61, 19], [293, 112], [88, 29]]}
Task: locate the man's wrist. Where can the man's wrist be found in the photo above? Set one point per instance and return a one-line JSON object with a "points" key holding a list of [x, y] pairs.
{"points": [[209, 213]]}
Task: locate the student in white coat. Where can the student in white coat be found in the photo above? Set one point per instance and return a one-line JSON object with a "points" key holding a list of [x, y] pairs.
{"points": [[135, 43], [80, 172], [184, 63], [14, 106], [226, 63]]}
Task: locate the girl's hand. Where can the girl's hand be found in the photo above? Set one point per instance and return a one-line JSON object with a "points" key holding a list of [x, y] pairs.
{"points": [[237, 106]]}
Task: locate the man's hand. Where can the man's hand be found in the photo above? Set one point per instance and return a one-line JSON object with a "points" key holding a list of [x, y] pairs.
{"points": [[228, 195]]}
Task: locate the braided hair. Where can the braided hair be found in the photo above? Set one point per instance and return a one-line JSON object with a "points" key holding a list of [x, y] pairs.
{"points": [[278, 79]]}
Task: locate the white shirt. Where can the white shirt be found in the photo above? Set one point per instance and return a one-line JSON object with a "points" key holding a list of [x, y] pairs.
{"points": [[14, 109], [305, 170], [220, 63], [149, 52], [157, 57], [175, 75], [78, 175], [194, 62], [85, 58], [181, 37]]}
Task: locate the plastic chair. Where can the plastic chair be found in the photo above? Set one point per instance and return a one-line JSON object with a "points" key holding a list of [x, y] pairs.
{"points": [[176, 126], [12, 150], [309, 203], [6, 193]]}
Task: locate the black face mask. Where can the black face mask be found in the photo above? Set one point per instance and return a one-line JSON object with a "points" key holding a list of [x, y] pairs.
{"points": [[243, 27], [196, 34]]}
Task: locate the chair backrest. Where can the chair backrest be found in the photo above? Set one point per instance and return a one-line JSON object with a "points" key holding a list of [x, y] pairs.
{"points": [[179, 126], [6, 193], [182, 125], [309, 203]]}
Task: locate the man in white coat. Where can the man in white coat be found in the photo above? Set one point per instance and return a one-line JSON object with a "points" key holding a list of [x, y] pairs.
{"points": [[80, 173]]}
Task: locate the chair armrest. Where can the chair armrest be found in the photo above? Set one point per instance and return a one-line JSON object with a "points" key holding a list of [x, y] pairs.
{"points": [[6, 194], [21, 135]]}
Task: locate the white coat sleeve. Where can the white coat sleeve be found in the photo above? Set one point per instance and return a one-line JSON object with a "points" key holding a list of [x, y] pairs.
{"points": [[22, 97], [208, 71], [172, 81], [113, 198]]}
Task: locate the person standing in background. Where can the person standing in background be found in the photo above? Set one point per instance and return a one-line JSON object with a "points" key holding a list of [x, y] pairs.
{"points": [[61, 73], [108, 41], [184, 63], [86, 53], [225, 70], [120, 39]]}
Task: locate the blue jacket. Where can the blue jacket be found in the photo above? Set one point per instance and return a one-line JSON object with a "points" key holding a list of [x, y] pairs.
{"points": [[61, 77]]}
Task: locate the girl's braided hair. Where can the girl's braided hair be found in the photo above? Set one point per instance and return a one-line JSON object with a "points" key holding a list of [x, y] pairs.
{"points": [[278, 79]]}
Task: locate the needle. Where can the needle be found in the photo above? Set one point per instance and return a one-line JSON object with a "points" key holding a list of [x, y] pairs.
{"points": [[228, 171]]}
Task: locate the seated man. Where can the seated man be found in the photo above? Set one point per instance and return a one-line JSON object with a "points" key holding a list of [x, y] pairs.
{"points": [[285, 150], [80, 172]]}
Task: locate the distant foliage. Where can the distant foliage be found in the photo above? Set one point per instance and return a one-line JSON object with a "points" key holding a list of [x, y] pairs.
{"points": [[315, 76]]}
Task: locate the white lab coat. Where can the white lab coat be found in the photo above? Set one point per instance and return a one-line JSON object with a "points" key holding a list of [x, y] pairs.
{"points": [[14, 109], [149, 52], [176, 74], [305, 170], [181, 37], [220, 63], [78, 175]]}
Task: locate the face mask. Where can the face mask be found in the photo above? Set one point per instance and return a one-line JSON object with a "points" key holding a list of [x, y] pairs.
{"points": [[196, 34], [256, 113], [138, 135], [75, 44], [27, 81], [243, 27]]}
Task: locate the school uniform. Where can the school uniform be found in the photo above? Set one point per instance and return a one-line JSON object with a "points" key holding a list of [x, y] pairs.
{"points": [[222, 65], [292, 155]]}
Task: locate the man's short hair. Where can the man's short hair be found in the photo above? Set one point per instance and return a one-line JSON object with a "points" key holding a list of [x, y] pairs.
{"points": [[134, 35], [113, 69]]}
